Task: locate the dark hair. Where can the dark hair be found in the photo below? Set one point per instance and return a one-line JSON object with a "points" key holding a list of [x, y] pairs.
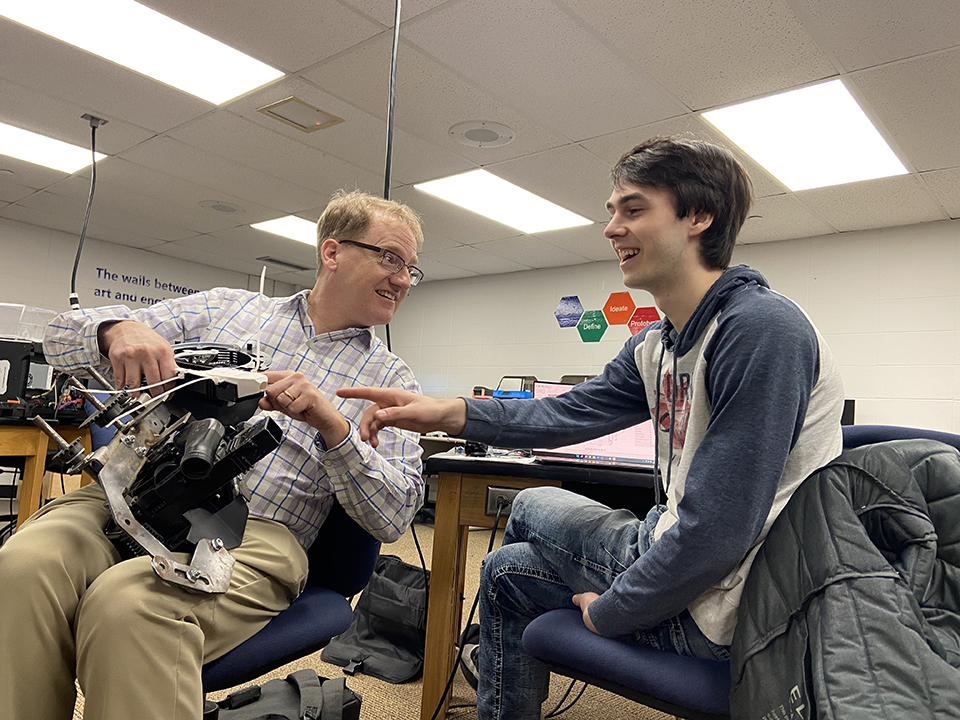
{"points": [[702, 178]]}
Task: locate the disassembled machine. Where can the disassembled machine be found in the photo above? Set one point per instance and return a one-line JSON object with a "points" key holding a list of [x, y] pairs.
{"points": [[172, 472]]}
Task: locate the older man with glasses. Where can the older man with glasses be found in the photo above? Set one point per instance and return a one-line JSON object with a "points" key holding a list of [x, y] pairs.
{"points": [[73, 608]]}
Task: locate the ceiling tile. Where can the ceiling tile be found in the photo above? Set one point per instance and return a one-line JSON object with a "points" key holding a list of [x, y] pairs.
{"points": [[175, 158], [167, 197], [98, 86], [11, 191], [191, 254], [186, 212], [611, 147], [568, 176], [872, 203], [66, 212], [711, 53], [534, 252], [862, 34], [591, 100], [586, 241], [918, 102], [360, 139], [430, 98], [239, 140], [945, 185], [433, 241], [246, 244], [69, 219], [60, 119], [781, 217], [304, 33], [478, 261], [28, 175], [436, 270], [384, 12]]}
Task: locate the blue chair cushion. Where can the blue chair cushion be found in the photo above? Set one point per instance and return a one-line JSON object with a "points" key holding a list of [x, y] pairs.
{"points": [[857, 435], [341, 562], [310, 622], [559, 638]]}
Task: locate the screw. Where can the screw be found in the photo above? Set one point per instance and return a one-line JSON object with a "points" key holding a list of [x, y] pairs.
{"points": [[217, 544], [141, 451], [128, 440], [193, 575]]}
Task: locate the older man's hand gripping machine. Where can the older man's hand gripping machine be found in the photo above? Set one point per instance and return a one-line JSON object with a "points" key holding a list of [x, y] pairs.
{"points": [[173, 471]]}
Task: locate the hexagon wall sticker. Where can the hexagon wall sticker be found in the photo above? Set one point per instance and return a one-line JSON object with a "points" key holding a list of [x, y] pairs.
{"points": [[641, 318], [569, 311], [592, 326], [618, 308]]}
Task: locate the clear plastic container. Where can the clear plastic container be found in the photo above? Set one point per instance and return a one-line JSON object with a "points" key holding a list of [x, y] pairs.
{"points": [[24, 322]]}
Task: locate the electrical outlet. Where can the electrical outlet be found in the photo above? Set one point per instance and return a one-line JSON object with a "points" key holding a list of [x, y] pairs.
{"points": [[493, 493]]}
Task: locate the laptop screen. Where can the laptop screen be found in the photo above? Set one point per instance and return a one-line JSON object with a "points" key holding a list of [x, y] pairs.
{"points": [[628, 448]]}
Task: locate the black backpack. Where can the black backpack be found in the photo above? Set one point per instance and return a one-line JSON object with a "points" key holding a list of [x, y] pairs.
{"points": [[388, 634], [302, 695]]}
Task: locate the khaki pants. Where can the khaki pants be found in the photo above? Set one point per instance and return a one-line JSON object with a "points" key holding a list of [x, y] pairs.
{"points": [[69, 608]]}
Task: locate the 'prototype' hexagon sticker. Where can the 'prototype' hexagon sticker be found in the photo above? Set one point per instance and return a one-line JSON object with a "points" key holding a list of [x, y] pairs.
{"points": [[569, 311], [641, 318]]}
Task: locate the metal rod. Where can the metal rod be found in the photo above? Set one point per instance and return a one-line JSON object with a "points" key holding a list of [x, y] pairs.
{"points": [[95, 374], [391, 102], [51, 433], [87, 395]]}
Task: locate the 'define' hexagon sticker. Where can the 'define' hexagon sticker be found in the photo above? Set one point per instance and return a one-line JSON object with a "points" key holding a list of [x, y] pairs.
{"points": [[569, 311], [641, 318], [592, 326], [619, 308]]}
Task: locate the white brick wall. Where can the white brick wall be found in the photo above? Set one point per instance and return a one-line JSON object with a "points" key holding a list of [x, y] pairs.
{"points": [[887, 301]]}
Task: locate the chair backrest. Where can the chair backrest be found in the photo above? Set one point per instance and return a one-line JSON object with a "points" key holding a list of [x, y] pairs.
{"points": [[857, 435], [343, 555]]}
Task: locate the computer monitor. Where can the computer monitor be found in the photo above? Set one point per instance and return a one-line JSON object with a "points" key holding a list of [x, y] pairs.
{"points": [[631, 447]]}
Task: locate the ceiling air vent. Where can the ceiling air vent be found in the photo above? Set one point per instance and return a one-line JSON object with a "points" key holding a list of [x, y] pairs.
{"points": [[283, 264], [303, 116]]}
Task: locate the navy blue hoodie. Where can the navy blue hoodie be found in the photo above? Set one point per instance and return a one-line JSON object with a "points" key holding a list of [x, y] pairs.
{"points": [[747, 402]]}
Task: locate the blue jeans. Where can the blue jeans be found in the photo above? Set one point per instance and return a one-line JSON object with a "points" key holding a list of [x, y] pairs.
{"points": [[557, 544]]}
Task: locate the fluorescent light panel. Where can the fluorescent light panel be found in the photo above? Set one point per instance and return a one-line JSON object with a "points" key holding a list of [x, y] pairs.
{"points": [[142, 39], [42, 150], [497, 199], [291, 227], [808, 138]]}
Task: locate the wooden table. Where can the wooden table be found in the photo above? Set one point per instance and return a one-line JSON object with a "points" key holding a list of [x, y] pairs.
{"points": [[461, 503], [31, 443]]}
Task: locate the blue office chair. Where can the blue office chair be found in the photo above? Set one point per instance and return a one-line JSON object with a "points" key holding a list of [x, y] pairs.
{"points": [[686, 687], [341, 563]]}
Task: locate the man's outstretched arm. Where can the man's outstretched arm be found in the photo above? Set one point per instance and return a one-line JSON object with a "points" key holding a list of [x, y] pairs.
{"points": [[407, 411]]}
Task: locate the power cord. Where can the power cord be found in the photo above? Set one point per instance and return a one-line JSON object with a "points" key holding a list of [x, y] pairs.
{"points": [[556, 710], [502, 504], [423, 563], [95, 122]]}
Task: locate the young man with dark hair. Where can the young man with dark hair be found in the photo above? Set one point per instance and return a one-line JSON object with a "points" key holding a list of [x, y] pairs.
{"points": [[746, 402], [70, 607]]}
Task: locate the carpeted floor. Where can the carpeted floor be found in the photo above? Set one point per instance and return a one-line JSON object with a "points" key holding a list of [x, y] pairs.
{"points": [[384, 701]]}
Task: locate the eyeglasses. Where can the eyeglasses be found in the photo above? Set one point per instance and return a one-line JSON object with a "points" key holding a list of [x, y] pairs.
{"points": [[390, 260]]}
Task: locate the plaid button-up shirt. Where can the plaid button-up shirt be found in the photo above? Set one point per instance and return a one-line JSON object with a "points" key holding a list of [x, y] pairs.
{"points": [[381, 489]]}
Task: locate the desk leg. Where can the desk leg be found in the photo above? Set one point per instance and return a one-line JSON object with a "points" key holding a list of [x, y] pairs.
{"points": [[34, 464], [446, 594]]}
